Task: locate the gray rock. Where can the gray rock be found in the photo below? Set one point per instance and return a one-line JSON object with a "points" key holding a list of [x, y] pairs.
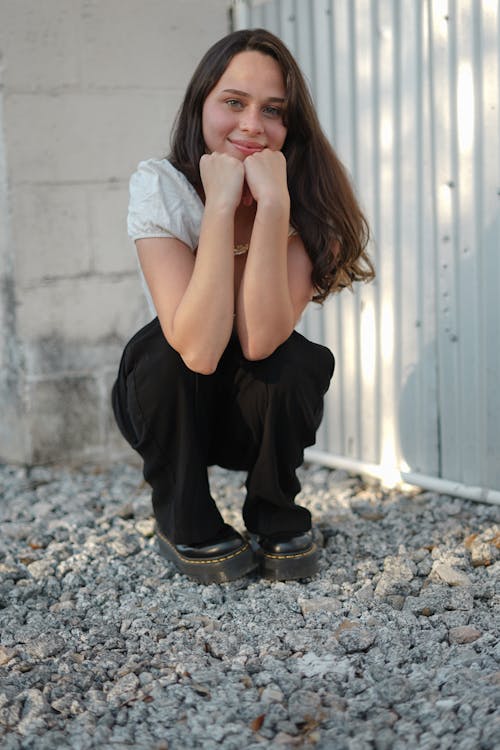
{"points": [[320, 604], [464, 634], [146, 527], [10, 715], [125, 546], [356, 639], [303, 706], [68, 705], [11, 571], [397, 574], [272, 694], [461, 599], [396, 601], [45, 645], [6, 654], [450, 575], [365, 592], [484, 548], [312, 665], [395, 689], [104, 644], [41, 569], [384, 739], [124, 688], [494, 570], [430, 601]]}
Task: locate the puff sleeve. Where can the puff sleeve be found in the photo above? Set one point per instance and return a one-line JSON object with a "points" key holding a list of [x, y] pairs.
{"points": [[163, 204]]}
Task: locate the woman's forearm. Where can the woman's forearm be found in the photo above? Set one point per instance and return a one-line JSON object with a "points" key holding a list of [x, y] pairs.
{"points": [[203, 320], [264, 314]]}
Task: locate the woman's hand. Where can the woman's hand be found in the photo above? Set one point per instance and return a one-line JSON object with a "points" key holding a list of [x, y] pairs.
{"points": [[222, 177], [265, 175]]}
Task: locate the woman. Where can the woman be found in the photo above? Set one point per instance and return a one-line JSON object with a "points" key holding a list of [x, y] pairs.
{"points": [[249, 219]]}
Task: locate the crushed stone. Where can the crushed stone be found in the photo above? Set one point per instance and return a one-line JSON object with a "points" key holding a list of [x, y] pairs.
{"points": [[103, 644]]}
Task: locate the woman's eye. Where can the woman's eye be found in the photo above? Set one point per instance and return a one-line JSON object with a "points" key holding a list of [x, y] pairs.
{"points": [[234, 103], [272, 112]]}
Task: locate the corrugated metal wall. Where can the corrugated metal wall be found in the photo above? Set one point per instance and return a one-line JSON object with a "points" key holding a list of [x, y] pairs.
{"points": [[408, 92]]}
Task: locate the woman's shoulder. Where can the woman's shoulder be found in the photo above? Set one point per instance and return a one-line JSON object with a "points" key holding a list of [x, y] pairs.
{"points": [[163, 203], [159, 174]]}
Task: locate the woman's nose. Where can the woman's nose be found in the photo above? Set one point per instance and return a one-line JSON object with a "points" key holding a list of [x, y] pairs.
{"points": [[251, 121]]}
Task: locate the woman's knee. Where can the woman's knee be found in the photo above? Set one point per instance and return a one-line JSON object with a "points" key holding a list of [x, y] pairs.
{"points": [[297, 361], [150, 375], [157, 367], [314, 360]]}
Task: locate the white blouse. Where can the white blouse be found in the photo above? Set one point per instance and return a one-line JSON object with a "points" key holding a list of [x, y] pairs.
{"points": [[163, 203]]}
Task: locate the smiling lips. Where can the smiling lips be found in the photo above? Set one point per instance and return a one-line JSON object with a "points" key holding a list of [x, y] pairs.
{"points": [[247, 147]]}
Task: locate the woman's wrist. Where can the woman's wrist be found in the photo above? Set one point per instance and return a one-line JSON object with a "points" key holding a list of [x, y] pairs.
{"points": [[274, 208], [220, 207]]}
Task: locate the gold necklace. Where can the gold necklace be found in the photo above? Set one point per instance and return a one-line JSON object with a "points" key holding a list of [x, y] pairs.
{"points": [[241, 249]]}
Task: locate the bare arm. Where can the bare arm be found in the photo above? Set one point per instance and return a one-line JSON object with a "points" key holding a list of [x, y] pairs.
{"points": [[194, 296], [276, 283]]}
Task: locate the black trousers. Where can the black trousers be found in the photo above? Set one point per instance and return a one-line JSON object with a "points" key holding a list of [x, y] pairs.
{"points": [[253, 416]]}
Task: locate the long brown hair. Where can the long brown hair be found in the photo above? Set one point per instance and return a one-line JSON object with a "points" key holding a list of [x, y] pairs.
{"points": [[324, 208]]}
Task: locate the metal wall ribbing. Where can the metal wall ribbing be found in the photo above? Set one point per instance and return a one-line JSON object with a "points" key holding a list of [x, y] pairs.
{"points": [[408, 93]]}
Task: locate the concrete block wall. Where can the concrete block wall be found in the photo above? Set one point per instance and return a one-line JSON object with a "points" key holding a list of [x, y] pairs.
{"points": [[88, 88]]}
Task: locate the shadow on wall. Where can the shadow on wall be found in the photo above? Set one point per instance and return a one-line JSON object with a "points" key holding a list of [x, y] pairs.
{"points": [[453, 391], [69, 415]]}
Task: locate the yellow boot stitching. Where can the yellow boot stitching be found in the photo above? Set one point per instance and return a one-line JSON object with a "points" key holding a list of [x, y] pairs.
{"points": [[202, 562]]}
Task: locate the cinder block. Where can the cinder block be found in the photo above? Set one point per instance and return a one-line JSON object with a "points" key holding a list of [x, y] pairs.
{"points": [[82, 311], [50, 231], [158, 44], [85, 137], [39, 43], [63, 417], [13, 433], [113, 251], [55, 354]]}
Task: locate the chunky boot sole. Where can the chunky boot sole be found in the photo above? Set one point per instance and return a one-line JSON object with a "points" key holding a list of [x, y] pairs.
{"points": [[287, 567], [211, 569]]}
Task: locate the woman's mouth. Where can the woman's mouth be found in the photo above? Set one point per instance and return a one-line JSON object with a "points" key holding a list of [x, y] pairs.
{"points": [[247, 147]]}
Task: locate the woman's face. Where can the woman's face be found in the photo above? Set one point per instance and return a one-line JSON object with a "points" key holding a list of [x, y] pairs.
{"points": [[244, 111]]}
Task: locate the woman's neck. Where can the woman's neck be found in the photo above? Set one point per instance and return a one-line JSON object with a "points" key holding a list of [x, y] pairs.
{"points": [[243, 222]]}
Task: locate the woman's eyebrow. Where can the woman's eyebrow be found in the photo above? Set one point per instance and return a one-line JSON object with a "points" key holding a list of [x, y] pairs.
{"points": [[237, 92]]}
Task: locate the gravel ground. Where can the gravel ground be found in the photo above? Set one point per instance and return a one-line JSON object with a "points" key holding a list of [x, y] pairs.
{"points": [[394, 644]]}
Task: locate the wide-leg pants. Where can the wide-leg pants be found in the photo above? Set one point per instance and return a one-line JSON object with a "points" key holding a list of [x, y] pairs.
{"points": [[256, 416]]}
